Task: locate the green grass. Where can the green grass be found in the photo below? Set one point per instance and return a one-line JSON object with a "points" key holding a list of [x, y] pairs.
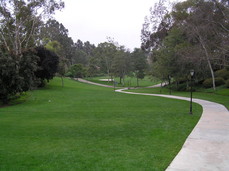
{"points": [[220, 96], [86, 127], [129, 81]]}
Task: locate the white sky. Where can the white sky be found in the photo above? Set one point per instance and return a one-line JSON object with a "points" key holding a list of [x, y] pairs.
{"points": [[95, 20]]}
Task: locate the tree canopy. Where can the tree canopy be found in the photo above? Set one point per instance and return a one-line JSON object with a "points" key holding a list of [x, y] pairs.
{"points": [[193, 35]]}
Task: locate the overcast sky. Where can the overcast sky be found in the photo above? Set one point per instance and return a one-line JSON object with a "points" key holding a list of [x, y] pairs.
{"points": [[95, 20]]}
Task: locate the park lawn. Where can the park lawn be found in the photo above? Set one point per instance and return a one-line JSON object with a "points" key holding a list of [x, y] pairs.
{"points": [[87, 127], [129, 81], [220, 96]]}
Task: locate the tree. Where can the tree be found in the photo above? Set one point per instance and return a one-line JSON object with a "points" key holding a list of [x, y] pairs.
{"points": [[20, 22], [192, 35], [105, 53], [16, 75], [139, 63], [62, 69], [53, 31], [206, 28], [121, 64], [155, 26], [92, 68], [55, 47], [48, 64], [77, 71]]}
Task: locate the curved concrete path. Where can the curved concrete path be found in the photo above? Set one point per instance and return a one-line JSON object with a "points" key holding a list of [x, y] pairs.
{"points": [[207, 147]]}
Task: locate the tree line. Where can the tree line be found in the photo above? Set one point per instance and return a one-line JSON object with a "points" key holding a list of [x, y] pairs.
{"points": [[34, 47], [194, 34]]}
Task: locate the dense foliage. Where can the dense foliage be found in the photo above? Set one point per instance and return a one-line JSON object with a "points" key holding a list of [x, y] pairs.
{"points": [[16, 73], [20, 24], [47, 65], [193, 35]]}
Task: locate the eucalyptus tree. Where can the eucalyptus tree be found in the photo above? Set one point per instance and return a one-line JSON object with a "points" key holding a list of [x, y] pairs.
{"points": [[206, 26], [203, 26], [20, 22]]}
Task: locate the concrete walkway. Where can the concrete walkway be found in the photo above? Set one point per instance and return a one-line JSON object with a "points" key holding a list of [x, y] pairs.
{"points": [[207, 147]]}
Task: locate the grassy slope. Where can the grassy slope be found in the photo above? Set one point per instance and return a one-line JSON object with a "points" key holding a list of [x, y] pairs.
{"points": [[86, 127], [220, 96]]}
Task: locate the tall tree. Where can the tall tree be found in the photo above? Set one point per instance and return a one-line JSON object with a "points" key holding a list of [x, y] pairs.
{"points": [[20, 22], [105, 53], [53, 31], [121, 63], [139, 63], [202, 27], [155, 27], [206, 27]]}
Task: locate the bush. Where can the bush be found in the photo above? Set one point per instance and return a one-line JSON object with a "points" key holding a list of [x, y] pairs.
{"points": [[222, 73], [227, 83], [179, 87], [218, 81], [182, 87], [16, 74], [207, 83]]}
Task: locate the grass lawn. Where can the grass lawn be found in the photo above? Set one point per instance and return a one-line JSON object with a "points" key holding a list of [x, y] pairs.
{"points": [[86, 127], [220, 96], [129, 81]]}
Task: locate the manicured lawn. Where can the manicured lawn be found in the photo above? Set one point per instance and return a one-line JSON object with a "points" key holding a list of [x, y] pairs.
{"points": [[86, 127], [129, 81], [220, 96]]}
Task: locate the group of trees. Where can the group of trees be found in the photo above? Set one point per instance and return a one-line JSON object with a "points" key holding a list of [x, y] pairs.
{"points": [[24, 63], [193, 35], [34, 46], [115, 60], [110, 59], [81, 59]]}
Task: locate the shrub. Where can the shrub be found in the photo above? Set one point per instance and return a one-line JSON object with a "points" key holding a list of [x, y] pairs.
{"points": [[227, 83], [218, 81], [222, 73], [207, 83], [182, 87]]}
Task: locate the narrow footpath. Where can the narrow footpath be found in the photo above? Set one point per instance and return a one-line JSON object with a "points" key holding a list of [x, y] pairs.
{"points": [[207, 147]]}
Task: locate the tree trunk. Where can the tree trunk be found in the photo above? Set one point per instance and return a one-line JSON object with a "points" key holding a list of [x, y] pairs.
{"points": [[208, 61], [108, 72], [137, 82], [62, 81], [123, 81]]}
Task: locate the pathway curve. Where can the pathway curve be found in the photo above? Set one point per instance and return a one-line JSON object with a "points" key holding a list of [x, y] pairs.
{"points": [[207, 147]]}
